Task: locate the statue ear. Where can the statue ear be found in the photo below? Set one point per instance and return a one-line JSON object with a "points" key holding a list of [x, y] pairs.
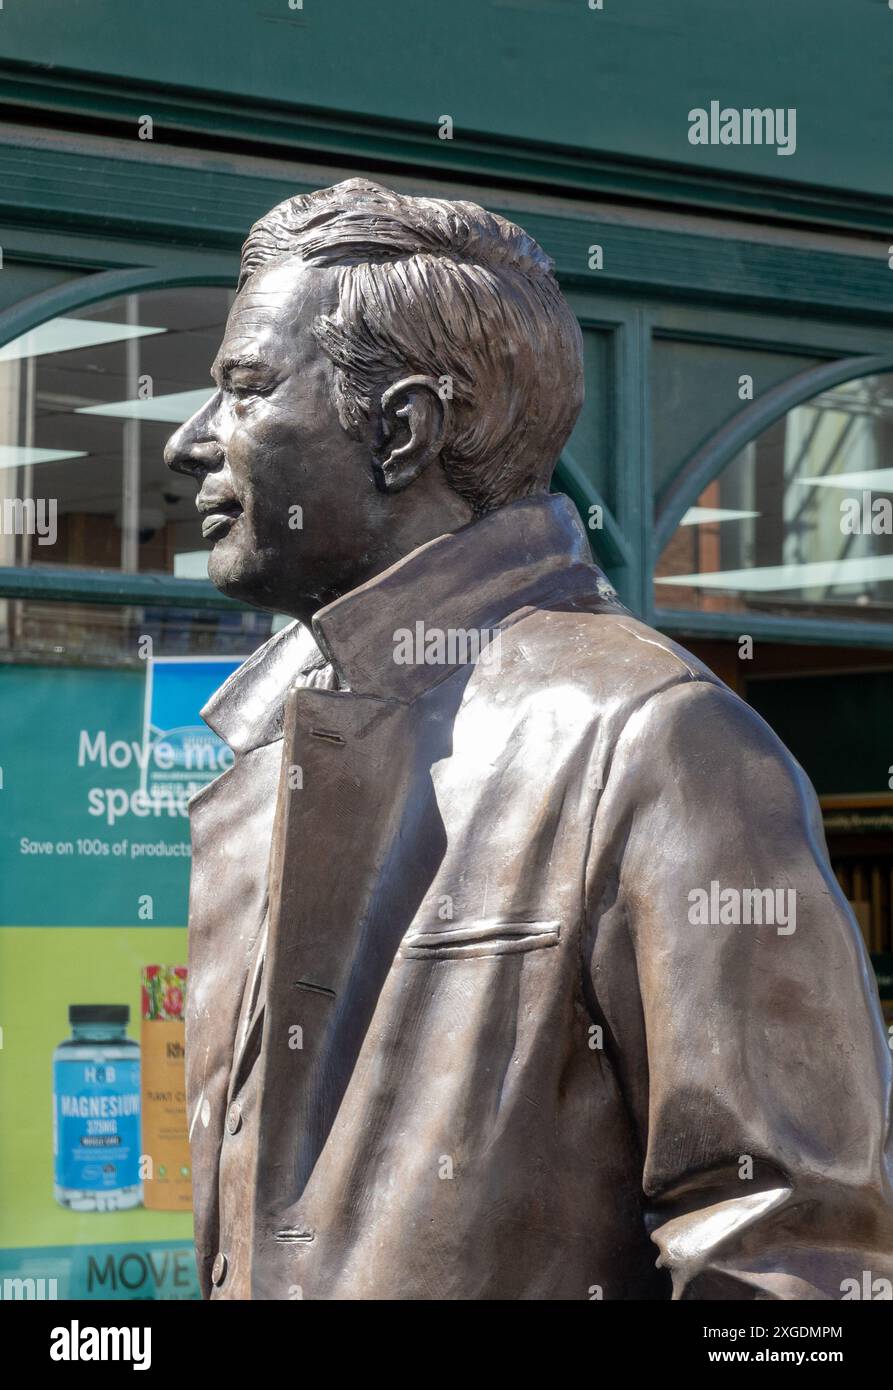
{"points": [[414, 427]]}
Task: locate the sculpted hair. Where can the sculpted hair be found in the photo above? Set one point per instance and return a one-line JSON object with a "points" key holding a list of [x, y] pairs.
{"points": [[443, 289]]}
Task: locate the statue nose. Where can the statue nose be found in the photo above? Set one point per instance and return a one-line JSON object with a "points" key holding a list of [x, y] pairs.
{"points": [[193, 448], [184, 453]]}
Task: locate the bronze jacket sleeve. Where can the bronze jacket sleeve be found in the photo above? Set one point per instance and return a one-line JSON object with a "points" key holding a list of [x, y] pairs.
{"points": [[752, 1055]]}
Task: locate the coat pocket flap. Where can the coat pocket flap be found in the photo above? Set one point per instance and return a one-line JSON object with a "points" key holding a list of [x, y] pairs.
{"points": [[483, 938]]}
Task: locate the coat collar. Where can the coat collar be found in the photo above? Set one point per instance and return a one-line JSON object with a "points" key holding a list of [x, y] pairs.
{"points": [[247, 710], [469, 579]]}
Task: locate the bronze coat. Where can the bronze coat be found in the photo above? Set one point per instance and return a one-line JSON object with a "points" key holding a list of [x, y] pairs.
{"points": [[494, 1056]]}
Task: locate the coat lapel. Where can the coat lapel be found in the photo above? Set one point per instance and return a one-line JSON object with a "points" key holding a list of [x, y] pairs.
{"points": [[231, 823], [230, 819], [338, 911]]}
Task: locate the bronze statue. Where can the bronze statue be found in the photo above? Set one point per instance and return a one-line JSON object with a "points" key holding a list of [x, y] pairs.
{"points": [[518, 970]]}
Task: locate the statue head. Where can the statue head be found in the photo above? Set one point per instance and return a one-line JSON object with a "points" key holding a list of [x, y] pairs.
{"points": [[392, 368]]}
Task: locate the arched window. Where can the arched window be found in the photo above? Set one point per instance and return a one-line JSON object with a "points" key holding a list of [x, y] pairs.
{"points": [[87, 401], [799, 523]]}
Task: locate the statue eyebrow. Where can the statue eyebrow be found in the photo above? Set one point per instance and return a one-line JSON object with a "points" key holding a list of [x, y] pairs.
{"points": [[242, 361], [238, 362]]}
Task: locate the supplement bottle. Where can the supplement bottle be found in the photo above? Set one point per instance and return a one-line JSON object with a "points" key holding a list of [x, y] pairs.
{"points": [[96, 1111]]}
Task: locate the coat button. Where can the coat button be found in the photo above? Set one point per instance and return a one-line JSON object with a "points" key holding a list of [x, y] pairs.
{"points": [[234, 1118], [218, 1269]]}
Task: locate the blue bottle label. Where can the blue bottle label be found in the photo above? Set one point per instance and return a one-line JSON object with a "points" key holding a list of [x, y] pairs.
{"points": [[96, 1112]]}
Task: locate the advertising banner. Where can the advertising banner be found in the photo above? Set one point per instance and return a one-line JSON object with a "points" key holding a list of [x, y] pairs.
{"points": [[97, 769]]}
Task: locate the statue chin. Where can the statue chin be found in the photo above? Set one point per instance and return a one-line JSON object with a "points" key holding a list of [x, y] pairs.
{"points": [[221, 571], [247, 579], [235, 574]]}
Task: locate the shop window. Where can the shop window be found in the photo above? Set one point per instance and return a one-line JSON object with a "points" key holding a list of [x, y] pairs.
{"points": [[800, 522], [697, 386], [87, 401]]}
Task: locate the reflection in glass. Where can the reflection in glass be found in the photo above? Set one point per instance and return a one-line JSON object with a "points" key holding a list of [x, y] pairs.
{"points": [[800, 522], [87, 403], [104, 634]]}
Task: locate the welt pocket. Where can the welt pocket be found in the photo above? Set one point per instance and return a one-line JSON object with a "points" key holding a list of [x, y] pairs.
{"points": [[486, 938]]}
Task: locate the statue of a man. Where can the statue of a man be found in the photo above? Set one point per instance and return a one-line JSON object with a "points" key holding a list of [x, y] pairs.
{"points": [[518, 970]]}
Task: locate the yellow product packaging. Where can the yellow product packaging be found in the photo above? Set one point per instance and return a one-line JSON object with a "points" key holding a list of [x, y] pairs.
{"points": [[167, 1182]]}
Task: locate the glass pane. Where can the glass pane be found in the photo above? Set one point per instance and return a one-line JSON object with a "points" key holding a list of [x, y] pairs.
{"points": [[87, 402], [695, 388], [800, 523], [78, 634]]}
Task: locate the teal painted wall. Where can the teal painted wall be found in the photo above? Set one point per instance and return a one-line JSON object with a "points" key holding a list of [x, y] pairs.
{"points": [[620, 80]]}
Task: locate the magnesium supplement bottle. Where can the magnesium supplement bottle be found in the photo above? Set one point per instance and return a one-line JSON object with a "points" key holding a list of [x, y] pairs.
{"points": [[96, 1111]]}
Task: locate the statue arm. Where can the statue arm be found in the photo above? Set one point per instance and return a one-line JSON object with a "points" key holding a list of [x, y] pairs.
{"points": [[752, 1051]]}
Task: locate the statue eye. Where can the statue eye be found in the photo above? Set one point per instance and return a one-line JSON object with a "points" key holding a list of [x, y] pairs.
{"points": [[243, 389]]}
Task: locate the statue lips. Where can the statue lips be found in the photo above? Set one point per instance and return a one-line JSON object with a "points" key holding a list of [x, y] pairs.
{"points": [[219, 515]]}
